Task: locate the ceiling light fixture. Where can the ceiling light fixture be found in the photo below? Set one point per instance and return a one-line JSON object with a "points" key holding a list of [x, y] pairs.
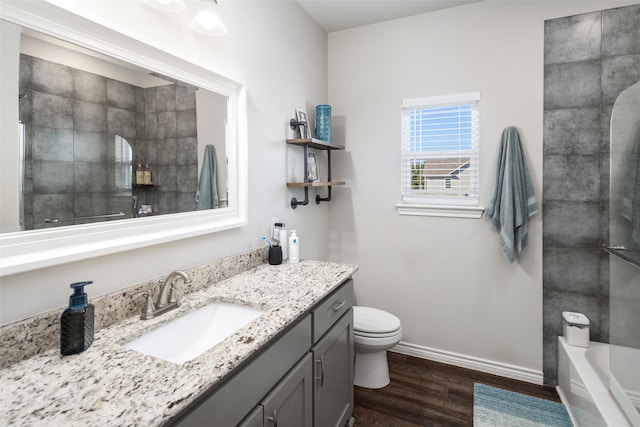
{"points": [[207, 19], [174, 6]]}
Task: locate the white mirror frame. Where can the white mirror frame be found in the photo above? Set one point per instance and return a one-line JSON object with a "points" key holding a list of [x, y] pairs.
{"points": [[29, 250]]}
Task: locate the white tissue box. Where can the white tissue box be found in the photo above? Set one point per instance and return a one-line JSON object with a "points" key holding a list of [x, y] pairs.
{"points": [[575, 327]]}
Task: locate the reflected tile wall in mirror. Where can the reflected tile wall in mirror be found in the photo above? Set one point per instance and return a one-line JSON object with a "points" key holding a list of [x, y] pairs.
{"points": [[71, 119]]}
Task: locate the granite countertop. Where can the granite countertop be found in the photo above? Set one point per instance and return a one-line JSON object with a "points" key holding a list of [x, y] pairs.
{"points": [[111, 385]]}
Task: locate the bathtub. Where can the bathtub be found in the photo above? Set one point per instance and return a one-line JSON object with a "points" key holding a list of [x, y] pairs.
{"points": [[583, 386]]}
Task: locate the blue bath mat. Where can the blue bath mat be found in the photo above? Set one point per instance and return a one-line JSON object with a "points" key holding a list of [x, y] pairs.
{"points": [[495, 407]]}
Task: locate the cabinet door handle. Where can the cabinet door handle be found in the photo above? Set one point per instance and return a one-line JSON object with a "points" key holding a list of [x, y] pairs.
{"points": [[321, 377], [337, 305], [274, 418]]}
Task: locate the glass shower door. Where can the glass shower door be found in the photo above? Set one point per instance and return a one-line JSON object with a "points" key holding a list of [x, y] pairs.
{"points": [[624, 298]]}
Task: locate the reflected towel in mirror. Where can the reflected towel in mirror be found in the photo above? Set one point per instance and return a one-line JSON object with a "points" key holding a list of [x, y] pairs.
{"points": [[207, 193]]}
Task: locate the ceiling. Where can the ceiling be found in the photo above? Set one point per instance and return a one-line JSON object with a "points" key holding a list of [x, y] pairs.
{"points": [[336, 15]]}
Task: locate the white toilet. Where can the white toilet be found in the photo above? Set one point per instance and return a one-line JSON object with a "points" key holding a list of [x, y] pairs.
{"points": [[374, 332]]}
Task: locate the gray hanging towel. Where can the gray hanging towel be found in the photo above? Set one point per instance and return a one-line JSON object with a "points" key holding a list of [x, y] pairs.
{"points": [[513, 200], [207, 193], [630, 203]]}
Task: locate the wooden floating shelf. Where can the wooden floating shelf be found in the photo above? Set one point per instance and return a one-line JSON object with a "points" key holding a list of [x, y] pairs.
{"points": [[315, 184], [315, 143], [329, 183]]}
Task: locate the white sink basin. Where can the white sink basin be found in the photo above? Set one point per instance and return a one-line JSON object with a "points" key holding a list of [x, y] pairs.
{"points": [[188, 336]]}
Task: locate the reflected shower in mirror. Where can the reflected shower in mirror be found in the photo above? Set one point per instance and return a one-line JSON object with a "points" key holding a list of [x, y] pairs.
{"points": [[90, 122]]}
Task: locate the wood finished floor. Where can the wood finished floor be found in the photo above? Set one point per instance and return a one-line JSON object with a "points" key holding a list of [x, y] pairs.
{"points": [[426, 393]]}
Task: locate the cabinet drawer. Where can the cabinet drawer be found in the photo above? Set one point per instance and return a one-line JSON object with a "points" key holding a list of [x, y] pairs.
{"points": [[331, 309]]}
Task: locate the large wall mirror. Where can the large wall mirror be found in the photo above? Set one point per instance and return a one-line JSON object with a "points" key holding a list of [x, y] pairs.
{"points": [[102, 140], [117, 145]]}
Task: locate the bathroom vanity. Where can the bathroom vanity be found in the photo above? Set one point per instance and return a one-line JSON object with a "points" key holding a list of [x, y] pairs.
{"points": [[292, 365], [303, 379]]}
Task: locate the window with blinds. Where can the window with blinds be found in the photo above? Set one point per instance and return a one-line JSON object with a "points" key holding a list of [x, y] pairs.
{"points": [[440, 144], [123, 167]]}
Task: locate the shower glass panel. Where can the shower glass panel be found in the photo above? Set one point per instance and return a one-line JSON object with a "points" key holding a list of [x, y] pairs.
{"points": [[624, 300]]}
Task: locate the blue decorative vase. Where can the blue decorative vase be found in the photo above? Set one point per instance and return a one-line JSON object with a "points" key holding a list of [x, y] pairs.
{"points": [[323, 122]]}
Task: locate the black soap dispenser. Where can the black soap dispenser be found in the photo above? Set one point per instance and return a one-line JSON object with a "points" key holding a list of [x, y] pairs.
{"points": [[76, 324]]}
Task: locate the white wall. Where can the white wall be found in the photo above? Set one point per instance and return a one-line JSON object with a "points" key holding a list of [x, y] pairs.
{"points": [[10, 47], [280, 54], [444, 277]]}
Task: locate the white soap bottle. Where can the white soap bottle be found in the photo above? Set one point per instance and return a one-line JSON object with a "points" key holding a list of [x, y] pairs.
{"points": [[282, 237], [294, 248]]}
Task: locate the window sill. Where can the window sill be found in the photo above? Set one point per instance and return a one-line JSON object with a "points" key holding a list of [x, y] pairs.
{"points": [[448, 211]]}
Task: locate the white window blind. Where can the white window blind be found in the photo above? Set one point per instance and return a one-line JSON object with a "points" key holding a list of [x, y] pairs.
{"points": [[440, 145]]}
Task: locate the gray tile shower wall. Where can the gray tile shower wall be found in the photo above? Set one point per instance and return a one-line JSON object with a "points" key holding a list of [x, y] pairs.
{"points": [[71, 119], [589, 60]]}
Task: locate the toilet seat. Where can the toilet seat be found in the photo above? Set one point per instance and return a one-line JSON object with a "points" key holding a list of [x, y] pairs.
{"points": [[376, 335], [374, 323]]}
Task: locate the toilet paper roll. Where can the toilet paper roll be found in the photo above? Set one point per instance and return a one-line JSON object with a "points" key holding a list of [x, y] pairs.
{"points": [[284, 244]]}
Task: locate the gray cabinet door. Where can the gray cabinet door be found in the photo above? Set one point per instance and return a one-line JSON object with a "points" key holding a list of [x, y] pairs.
{"points": [[254, 419], [290, 403], [333, 374]]}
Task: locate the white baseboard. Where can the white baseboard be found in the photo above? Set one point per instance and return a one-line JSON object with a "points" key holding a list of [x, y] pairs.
{"points": [[470, 362]]}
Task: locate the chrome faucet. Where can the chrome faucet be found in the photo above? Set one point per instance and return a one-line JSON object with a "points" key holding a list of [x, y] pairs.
{"points": [[167, 296]]}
